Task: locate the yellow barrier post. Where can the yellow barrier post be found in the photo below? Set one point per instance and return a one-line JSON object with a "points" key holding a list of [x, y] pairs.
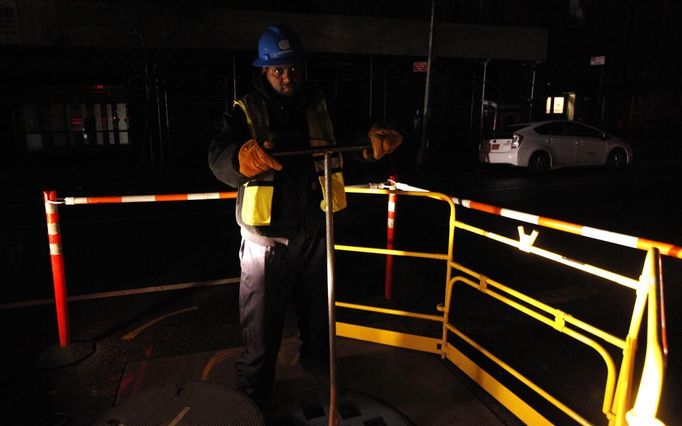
{"points": [[623, 393], [651, 383]]}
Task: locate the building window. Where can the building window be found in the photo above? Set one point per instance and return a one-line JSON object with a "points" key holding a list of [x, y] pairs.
{"points": [[52, 125], [554, 105]]}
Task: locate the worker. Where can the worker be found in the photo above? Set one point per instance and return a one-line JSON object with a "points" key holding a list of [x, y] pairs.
{"points": [[280, 207]]}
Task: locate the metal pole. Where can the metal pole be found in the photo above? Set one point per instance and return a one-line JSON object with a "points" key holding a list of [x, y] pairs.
{"points": [[331, 296], [160, 124], [532, 96], [165, 104], [426, 110], [471, 109], [371, 84], [227, 93], [331, 292], [385, 91], [630, 116], [234, 78], [320, 150], [148, 112], [602, 97], [485, 73]]}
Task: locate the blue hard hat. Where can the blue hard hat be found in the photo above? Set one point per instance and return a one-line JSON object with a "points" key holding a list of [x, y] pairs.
{"points": [[279, 45]]}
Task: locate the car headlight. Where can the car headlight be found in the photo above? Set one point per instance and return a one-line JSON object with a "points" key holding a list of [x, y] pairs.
{"points": [[516, 140]]}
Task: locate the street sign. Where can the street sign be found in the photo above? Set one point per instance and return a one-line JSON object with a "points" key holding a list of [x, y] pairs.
{"points": [[420, 66], [597, 60]]}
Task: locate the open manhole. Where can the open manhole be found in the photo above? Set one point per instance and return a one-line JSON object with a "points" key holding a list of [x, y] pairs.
{"points": [[196, 403], [355, 409]]}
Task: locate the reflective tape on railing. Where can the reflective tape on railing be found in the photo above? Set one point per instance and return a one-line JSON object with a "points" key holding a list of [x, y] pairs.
{"points": [[405, 187], [149, 198], [572, 228]]}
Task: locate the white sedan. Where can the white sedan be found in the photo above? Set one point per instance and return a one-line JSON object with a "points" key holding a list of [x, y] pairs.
{"points": [[545, 145]]}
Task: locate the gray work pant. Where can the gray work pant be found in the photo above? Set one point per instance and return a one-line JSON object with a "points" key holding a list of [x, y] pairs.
{"points": [[269, 276]]}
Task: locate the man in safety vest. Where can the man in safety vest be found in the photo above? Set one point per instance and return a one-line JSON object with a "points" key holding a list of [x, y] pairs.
{"points": [[280, 206]]}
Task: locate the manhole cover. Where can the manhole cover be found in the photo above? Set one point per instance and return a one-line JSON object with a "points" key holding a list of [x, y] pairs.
{"points": [[195, 403], [354, 409]]}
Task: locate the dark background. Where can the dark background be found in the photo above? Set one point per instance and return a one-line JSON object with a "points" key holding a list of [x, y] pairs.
{"points": [[176, 75], [175, 66]]}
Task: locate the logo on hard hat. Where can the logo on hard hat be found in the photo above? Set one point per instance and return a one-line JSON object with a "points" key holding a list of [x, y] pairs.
{"points": [[284, 44]]}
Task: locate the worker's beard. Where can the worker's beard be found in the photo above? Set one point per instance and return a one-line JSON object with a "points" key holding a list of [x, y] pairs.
{"points": [[288, 102], [289, 90]]}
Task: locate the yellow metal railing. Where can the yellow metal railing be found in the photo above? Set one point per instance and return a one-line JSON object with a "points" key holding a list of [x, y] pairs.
{"points": [[617, 403]]}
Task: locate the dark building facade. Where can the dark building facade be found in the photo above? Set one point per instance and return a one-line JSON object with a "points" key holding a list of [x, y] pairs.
{"points": [[142, 85]]}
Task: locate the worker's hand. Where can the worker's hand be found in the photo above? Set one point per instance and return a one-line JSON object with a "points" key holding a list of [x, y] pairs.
{"points": [[254, 160], [384, 139]]}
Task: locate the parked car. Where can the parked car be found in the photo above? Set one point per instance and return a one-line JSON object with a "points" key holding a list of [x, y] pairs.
{"points": [[544, 145]]}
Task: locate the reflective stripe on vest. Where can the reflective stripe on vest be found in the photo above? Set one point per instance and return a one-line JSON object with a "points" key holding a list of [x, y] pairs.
{"points": [[256, 195], [256, 205]]}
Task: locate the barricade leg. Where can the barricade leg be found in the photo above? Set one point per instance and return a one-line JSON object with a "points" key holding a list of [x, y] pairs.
{"points": [[66, 352], [390, 225]]}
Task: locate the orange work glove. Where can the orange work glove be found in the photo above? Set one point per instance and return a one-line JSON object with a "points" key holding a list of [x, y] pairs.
{"points": [[253, 160], [384, 140]]}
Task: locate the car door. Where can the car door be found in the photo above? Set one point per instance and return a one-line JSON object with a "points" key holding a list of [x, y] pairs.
{"points": [[558, 142], [590, 144]]}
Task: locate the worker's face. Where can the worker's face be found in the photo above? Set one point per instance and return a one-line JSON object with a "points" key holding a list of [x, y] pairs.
{"points": [[284, 79]]}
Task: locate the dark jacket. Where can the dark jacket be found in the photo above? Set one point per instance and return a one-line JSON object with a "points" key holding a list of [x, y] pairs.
{"points": [[297, 193]]}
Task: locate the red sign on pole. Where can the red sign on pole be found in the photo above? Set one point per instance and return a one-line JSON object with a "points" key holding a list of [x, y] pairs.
{"points": [[420, 66]]}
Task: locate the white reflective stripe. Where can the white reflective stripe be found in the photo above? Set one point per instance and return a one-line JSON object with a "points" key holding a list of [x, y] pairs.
{"points": [[75, 200], [462, 202], [611, 237], [405, 187], [55, 249], [50, 208], [52, 229], [391, 205], [204, 196], [390, 222], [138, 198], [524, 217]]}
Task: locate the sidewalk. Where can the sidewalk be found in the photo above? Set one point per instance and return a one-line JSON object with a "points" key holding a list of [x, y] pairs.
{"points": [[155, 351]]}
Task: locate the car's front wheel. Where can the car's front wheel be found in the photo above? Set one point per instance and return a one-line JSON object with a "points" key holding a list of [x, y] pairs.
{"points": [[617, 159], [539, 163]]}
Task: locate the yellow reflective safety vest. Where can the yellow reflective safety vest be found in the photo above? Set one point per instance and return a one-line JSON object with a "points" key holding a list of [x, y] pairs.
{"points": [[255, 196]]}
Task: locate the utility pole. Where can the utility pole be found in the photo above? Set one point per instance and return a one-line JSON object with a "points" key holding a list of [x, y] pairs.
{"points": [[485, 76], [532, 93], [600, 61], [421, 157]]}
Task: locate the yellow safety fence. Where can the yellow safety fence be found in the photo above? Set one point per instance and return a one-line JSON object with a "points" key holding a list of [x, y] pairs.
{"points": [[619, 406]]}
